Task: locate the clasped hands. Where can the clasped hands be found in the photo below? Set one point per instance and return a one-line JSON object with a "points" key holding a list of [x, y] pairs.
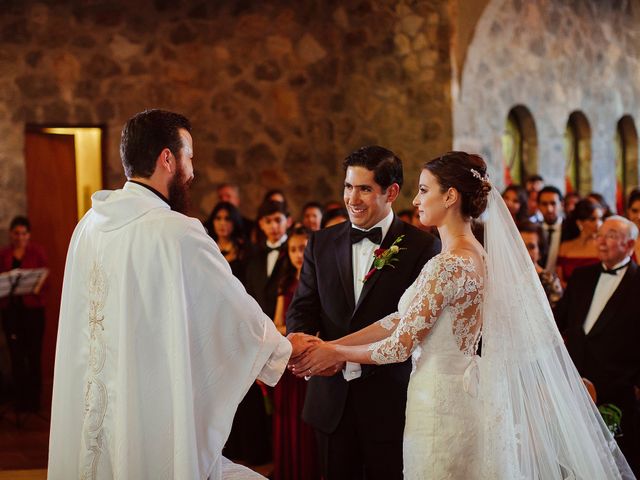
{"points": [[312, 356]]}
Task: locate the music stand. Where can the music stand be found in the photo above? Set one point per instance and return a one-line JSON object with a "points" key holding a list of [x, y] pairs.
{"points": [[22, 281], [18, 282]]}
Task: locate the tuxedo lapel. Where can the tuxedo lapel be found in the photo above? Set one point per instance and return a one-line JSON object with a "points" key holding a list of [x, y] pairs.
{"points": [[345, 266], [395, 230], [616, 301]]}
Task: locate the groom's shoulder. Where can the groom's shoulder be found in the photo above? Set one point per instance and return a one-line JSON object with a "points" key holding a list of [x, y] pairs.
{"points": [[331, 233]]}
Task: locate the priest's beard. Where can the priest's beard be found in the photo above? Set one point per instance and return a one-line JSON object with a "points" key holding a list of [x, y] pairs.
{"points": [[179, 185]]}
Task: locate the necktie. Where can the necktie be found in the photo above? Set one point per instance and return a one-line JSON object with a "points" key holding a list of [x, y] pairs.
{"points": [[550, 232], [375, 235], [613, 271]]}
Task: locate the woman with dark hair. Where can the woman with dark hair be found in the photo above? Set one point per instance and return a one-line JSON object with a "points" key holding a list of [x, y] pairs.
{"points": [[516, 198], [294, 452], [225, 226], [582, 250], [533, 236], [517, 411], [633, 214], [599, 201], [23, 317]]}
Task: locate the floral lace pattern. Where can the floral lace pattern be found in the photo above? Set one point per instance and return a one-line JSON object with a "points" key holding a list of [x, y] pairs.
{"points": [[95, 398], [447, 281]]}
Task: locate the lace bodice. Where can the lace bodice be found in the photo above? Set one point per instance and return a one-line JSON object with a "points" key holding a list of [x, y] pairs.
{"points": [[447, 283]]}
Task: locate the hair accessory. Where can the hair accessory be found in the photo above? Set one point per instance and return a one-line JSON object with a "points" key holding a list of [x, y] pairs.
{"points": [[476, 174]]}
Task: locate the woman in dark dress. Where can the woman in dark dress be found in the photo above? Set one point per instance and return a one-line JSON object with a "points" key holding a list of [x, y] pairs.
{"points": [[225, 226], [294, 453], [23, 318]]}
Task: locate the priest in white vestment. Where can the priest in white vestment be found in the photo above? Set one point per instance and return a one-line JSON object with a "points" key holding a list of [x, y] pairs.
{"points": [[157, 342]]}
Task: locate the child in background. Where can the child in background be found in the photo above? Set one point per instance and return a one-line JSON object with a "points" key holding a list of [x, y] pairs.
{"points": [[294, 452]]}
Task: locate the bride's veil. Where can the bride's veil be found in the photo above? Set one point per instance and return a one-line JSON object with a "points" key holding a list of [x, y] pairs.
{"points": [[540, 422]]}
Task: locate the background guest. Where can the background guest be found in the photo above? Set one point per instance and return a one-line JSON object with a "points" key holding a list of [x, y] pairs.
{"points": [[312, 216], [570, 200], [582, 250], [516, 199], [334, 217], [533, 238], [406, 215], [550, 206], [294, 454], [598, 315], [23, 318], [599, 200], [230, 192], [226, 228], [633, 214], [250, 437], [533, 185]]}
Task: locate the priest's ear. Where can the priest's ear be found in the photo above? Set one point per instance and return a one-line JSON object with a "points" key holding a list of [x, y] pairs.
{"points": [[165, 162]]}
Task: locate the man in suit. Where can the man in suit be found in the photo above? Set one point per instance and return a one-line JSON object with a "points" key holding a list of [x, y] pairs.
{"points": [[550, 205], [264, 266], [600, 317], [358, 411]]}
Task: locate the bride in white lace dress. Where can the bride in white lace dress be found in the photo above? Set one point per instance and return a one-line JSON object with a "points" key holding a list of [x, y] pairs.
{"points": [[520, 412]]}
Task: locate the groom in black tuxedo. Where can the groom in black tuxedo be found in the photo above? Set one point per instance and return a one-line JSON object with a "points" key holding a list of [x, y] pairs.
{"points": [[599, 315], [358, 411]]}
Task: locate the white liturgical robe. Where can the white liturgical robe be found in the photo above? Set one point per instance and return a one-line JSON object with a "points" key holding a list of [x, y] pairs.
{"points": [[157, 344]]}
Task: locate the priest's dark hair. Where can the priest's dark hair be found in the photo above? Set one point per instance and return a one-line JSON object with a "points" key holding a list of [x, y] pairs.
{"points": [[145, 135], [385, 165]]}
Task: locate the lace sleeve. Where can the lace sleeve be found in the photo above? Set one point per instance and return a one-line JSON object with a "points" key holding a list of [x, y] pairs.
{"points": [[389, 322], [447, 280]]}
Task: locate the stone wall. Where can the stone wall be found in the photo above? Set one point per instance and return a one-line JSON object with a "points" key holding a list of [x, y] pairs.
{"points": [[554, 57], [278, 92]]}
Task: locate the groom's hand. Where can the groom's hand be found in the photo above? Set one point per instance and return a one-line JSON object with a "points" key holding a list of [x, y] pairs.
{"points": [[300, 342]]}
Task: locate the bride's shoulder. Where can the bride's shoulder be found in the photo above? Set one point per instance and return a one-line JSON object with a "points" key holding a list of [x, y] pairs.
{"points": [[464, 259]]}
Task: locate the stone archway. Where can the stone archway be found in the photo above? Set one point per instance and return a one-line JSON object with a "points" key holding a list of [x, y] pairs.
{"points": [[626, 159], [578, 154], [555, 57]]}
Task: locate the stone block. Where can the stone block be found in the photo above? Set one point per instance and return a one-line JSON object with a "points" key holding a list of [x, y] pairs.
{"points": [[309, 50]]}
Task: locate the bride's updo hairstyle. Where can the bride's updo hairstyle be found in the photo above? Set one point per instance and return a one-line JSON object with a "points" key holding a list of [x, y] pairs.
{"points": [[467, 173]]}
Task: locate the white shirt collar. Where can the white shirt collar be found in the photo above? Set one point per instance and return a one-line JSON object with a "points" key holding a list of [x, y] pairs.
{"points": [[278, 243], [625, 262]]}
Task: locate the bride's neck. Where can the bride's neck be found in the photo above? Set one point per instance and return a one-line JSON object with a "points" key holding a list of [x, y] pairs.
{"points": [[452, 231]]}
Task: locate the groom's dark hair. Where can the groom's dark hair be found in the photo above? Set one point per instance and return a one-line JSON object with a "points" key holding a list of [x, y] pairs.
{"points": [[385, 165]]}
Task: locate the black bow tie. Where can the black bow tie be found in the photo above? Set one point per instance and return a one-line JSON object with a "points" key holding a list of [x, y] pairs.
{"points": [[272, 249], [613, 271], [375, 235]]}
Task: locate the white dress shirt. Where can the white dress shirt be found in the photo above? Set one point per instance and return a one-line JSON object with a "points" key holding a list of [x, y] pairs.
{"points": [[272, 256], [554, 244], [361, 261], [607, 284]]}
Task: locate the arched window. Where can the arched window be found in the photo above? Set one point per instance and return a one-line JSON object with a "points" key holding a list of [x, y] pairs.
{"points": [[520, 145], [578, 154], [626, 160]]}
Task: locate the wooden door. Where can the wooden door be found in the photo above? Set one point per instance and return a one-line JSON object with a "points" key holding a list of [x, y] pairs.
{"points": [[53, 212]]}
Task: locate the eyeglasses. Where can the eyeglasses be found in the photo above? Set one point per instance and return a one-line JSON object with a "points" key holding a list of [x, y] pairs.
{"points": [[608, 236]]}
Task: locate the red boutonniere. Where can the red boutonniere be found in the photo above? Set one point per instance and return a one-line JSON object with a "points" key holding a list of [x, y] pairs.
{"points": [[383, 257]]}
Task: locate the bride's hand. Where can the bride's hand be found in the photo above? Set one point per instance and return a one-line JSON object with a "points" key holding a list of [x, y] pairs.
{"points": [[300, 342], [318, 359]]}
